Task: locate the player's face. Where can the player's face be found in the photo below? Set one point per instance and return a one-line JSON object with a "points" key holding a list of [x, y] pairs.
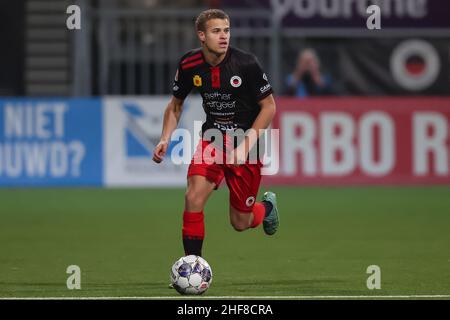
{"points": [[216, 38]]}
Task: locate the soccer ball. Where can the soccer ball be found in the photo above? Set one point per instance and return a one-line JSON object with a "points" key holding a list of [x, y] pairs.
{"points": [[191, 275]]}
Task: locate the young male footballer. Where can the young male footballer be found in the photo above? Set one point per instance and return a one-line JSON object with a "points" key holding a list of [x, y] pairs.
{"points": [[236, 95]]}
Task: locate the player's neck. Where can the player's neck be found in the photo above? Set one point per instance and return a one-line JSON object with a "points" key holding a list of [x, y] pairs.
{"points": [[212, 58]]}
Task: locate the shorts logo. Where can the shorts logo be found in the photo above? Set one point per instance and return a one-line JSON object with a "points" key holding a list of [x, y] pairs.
{"points": [[176, 76], [265, 77], [197, 80], [250, 201], [235, 81]]}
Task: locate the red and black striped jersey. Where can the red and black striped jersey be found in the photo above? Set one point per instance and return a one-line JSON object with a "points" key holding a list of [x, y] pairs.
{"points": [[230, 91]]}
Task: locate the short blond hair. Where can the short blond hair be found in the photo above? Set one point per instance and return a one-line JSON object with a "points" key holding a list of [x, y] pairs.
{"points": [[205, 16]]}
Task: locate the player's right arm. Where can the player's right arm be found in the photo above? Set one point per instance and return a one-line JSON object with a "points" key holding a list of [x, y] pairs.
{"points": [[182, 85], [171, 118]]}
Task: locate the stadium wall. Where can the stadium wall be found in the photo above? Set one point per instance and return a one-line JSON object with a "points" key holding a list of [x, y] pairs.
{"points": [[108, 142]]}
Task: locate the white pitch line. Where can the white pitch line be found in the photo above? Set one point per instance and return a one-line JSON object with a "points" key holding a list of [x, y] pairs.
{"points": [[232, 297]]}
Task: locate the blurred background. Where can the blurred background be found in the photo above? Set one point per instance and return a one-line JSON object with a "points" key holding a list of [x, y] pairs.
{"points": [[132, 46], [312, 51], [82, 109]]}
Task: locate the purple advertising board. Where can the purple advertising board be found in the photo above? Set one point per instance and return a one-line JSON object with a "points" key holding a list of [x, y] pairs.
{"points": [[417, 14]]}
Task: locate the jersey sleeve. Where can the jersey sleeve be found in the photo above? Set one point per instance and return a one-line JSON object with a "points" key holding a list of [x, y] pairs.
{"points": [[182, 83], [259, 85]]}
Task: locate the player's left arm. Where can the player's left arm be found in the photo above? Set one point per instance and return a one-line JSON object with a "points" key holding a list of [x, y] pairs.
{"points": [[260, 88], [262, 122]]}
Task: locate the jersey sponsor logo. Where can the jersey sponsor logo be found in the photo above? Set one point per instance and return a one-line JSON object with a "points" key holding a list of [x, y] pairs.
{"points": [[219, 105], [197, 80], [235, 81], [221, 114], [217, 95], [225, 127], [250, 201], [265, 88]]}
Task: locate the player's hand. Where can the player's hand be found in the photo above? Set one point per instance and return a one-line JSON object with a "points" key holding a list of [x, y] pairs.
{"points": [[160, 151]]}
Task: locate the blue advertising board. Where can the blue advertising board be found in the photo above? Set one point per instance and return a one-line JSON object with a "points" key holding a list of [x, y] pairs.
{"points": [[51, 142]]}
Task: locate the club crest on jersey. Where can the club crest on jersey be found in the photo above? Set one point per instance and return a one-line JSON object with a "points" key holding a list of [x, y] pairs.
{"points": [[197, 80], [235, 81]]}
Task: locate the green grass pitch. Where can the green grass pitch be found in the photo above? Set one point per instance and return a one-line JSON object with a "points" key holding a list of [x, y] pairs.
{"points": [[125, 241]]}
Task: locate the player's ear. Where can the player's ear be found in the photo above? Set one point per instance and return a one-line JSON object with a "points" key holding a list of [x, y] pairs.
{"points": [[201, 35]]}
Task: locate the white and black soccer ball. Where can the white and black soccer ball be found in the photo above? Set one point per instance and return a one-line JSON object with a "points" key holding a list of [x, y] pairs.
{"points": [[191, 275]]}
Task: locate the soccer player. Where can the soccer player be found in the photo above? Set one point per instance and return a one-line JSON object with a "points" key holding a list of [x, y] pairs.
{"points": [[236, 95]]}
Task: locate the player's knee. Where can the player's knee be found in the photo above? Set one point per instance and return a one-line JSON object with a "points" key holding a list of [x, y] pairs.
{"points": [[194, 201]]}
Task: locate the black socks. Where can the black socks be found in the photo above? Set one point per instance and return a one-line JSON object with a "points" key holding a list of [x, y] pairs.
{"points": [[192, 246]]}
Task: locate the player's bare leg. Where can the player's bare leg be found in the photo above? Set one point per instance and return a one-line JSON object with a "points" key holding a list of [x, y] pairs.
{"points": [[240, 220], [198, 191]]}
